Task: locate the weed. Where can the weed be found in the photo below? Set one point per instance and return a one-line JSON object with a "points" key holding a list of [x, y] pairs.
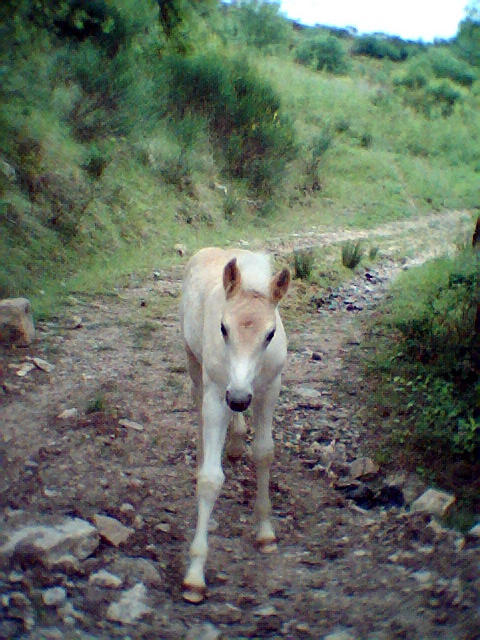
{"points": [[373, 252], [97, 404], [303, 261], [352, 253]]}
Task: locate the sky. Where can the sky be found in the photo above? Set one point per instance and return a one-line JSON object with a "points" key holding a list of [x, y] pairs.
{"points": [[410, 19]]}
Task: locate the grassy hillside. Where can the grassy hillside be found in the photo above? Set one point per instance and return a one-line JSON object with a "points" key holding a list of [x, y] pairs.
{"points": [[113, 140]]}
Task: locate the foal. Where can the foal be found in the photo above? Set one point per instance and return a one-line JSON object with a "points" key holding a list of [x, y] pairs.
{"points": [[236, 348]]}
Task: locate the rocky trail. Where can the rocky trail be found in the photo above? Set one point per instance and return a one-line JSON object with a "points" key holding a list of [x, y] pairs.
{"points": [[97, 482]]}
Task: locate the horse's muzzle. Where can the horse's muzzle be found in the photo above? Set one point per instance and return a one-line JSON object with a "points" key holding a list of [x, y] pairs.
{"points": [[238, 404]]}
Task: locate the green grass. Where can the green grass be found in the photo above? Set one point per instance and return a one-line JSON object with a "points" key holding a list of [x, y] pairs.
{"points": [[123, 179]]}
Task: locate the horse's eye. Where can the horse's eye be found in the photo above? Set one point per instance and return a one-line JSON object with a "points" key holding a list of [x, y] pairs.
{"points": [[269, 337], [224, 331]]}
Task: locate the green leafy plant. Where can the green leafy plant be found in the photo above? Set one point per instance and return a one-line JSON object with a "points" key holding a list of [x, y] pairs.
{"points": [[352, 253], [325, 53], [303, 261]]}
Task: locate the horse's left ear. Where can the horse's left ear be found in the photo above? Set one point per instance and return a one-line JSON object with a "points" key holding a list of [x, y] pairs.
{"points": [[279, 285]]}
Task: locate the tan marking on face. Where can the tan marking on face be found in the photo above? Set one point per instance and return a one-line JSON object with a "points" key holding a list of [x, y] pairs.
{"points": [[249, 316]]}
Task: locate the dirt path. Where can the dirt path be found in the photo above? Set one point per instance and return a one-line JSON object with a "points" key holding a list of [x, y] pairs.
{"points": [[341, 571]]}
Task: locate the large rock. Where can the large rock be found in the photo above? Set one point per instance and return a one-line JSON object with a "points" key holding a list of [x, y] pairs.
{"points": [[434, 502], [16, 322], [139, 569], [131, 606], [58, 544], [112, 530]]}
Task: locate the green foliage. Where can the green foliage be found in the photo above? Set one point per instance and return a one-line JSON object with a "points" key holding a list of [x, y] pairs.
{"points": [[324, 53], [303, 262], [446, 65], [393, 49], [432, 364], [243, 111], [352, 253], [183, 22], [259, 24], [467, 41]]}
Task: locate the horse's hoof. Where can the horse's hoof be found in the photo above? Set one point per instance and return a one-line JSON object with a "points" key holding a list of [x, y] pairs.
{"points": [[193, 594], [268, 546]]}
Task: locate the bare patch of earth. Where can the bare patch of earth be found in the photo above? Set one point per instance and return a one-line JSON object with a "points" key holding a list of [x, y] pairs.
{"points": [[341, 571]]}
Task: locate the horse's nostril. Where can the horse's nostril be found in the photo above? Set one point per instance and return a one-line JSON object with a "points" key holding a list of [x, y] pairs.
{"points": [[238, 403]]}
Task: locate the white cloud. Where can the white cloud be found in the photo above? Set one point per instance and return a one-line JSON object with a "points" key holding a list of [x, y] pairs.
{"points": [[410, 19]]}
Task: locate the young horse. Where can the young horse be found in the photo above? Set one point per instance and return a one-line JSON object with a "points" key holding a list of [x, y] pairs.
{"points": [[236, 348]]}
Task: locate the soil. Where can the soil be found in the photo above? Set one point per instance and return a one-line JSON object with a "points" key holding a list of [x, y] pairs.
{"points": [[340, 572]]}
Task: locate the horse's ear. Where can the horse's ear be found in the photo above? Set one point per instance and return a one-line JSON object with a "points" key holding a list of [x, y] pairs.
{"points": [[231, 278], [279, 285]]}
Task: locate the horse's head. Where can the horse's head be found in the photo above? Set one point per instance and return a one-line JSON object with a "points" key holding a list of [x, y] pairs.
{"points": [[248, 328]]}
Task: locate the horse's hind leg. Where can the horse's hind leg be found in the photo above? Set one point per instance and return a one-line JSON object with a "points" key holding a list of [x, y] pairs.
{"points": [[195, 371], [236, 436]]}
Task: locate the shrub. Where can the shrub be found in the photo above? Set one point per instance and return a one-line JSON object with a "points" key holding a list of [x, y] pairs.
{"points": [[352, 253], [434, 309], [324, 53], [303, 260], [446, 65], [243, 112], [261, 25], [429, 382], [379, 47]]}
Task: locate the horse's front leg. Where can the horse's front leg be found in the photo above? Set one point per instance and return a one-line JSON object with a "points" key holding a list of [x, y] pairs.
{"points": [[209, 483], [262, 451]]}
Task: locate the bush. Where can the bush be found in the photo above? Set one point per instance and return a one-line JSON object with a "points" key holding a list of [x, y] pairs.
{"points": [[243, 112], [429, 376], [352, 254], [324, 53], [260, 24], [303, 261], [446, 65], [378, 47], [434, 310]]}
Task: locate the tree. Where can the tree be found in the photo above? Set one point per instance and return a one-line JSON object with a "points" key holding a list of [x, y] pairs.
{"points": [[468, 37]]}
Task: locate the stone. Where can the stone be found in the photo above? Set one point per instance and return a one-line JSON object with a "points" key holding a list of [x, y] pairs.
{"points": [[433, 502], [43, 365], [112, 530], [16, 322], [68, 413], [64, 542], [105, 579], [139, 569], [339, 635], [205, 631], [307, 392], [130, 424], [25, 368], [225, 613], [54, 597], [362, 467], [474, 532], [422, 577], [131, 606]]}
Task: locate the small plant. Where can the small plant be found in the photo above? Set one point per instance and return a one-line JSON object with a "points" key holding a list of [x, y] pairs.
{"points": [[97, 404], [373, 252], [231, 204], [303, 260], [352, 253]]}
